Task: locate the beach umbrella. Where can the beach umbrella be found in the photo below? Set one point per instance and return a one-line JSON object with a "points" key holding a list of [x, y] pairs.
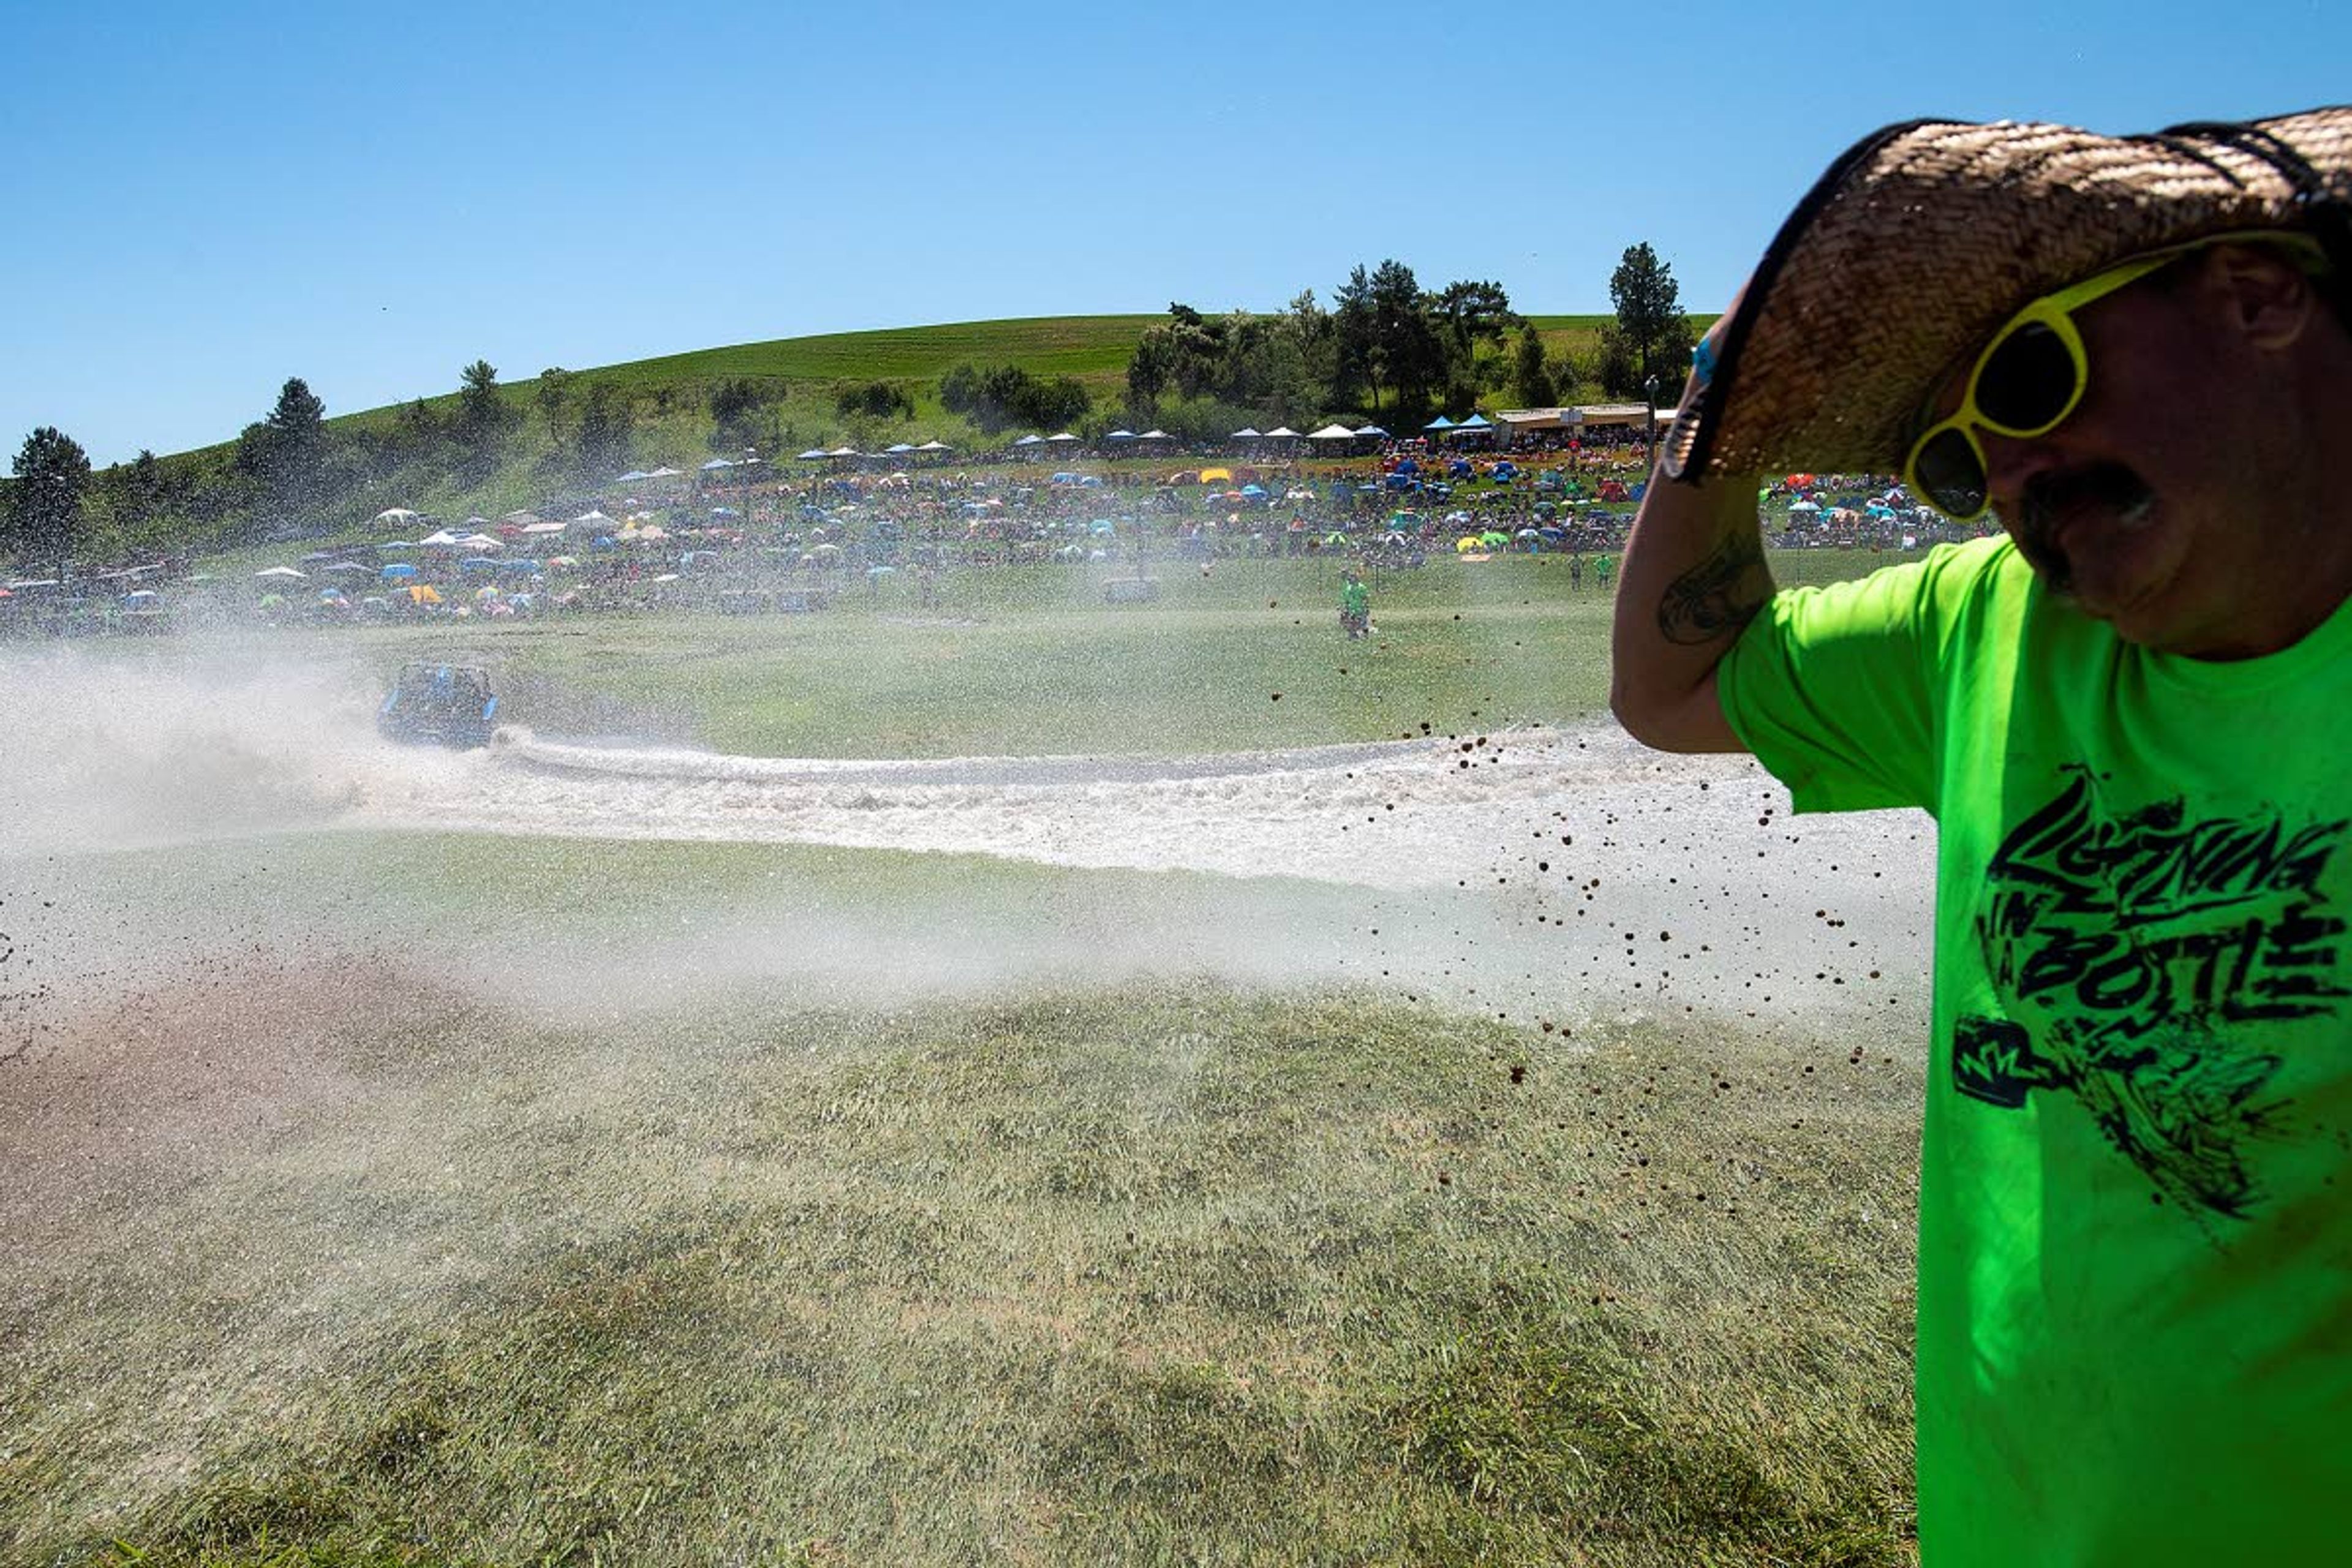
{"points": [[1493, 537], [1468, 542]]}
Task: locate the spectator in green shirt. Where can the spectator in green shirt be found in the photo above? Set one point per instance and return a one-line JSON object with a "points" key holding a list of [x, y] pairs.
{"points": [[2135, 1295]]}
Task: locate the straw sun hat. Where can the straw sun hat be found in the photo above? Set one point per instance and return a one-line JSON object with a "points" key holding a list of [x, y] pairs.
{"points": [[1925, 238]]}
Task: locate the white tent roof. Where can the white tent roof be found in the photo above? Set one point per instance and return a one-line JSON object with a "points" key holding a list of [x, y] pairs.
{"points": [[517, 518], [1282, 432], [1155, 436], [1030, 441], [394, 516], [280, 571], [554, 527], [1244, 434], [935, 447], [1061, 436], [1333, 433], [843, 452], [666, 472]]}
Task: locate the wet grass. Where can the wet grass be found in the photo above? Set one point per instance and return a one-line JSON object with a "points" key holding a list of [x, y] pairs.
{"points": [[1028, 659], [1172, 1272]]}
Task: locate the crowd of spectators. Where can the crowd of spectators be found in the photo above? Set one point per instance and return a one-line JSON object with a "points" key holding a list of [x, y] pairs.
{"points": [[800, 535]]}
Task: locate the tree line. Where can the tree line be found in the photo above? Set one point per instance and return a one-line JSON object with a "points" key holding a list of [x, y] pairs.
{"points": [[1389, 348]]}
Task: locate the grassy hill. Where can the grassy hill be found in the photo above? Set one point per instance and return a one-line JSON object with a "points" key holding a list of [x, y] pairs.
{"points": [[381, 461], [805, 373]]}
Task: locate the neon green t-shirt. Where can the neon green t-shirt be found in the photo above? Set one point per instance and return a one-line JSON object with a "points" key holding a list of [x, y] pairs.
{"points": [[2134, 1337]]}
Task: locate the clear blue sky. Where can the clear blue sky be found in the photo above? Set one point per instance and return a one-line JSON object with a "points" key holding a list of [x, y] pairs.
{"points": [[203, 200]]}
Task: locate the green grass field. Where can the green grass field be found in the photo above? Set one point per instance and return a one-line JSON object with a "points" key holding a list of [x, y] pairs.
{"points": [[428, 1199]]}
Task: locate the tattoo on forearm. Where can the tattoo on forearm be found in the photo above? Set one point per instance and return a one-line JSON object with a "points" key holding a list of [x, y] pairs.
{"points": [[1718, 597]]}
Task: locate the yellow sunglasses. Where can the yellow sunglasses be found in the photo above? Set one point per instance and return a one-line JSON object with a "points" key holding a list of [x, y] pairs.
{"points": [[2031, 376]]}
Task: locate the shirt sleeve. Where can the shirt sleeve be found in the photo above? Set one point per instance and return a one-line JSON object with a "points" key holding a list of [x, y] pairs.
{"points": [[1839, 689]]}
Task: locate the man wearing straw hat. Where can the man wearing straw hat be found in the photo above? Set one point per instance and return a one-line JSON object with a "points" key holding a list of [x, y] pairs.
{"points": [[2128, 714]]}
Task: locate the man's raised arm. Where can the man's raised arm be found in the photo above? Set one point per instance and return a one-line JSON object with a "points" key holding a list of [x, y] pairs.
{"points": [[1695, 577]]}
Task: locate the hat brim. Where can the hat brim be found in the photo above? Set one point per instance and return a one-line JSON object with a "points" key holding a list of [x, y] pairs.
{"points": [[1924, 237]]}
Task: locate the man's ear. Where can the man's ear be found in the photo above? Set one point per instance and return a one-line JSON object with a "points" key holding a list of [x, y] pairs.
{"points": [[2266, 295]]}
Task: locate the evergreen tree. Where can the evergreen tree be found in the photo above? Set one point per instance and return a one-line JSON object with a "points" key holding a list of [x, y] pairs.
{"points": [[45, 509], [1651, 338], [1531, 383], [554, 388]]}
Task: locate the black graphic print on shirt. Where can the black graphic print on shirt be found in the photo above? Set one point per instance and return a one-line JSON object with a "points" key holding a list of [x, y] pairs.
{"points": [[2143, 963]]}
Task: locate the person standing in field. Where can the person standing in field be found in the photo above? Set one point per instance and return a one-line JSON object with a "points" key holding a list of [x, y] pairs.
{"points": [[2135, 1302], [1355, 604]]}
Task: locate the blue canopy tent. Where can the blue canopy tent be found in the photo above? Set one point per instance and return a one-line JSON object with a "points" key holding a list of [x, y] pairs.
{"points": [[396, 571], [1440, 423]]}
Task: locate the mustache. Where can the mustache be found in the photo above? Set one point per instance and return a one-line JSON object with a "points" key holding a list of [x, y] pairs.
{"points": [[2049, 498]]}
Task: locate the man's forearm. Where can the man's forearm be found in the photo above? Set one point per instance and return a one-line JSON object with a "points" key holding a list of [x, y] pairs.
{"points": [[1694, 577]]}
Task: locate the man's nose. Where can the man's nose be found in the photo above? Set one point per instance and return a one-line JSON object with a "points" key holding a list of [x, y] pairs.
{"points": [[2010, 464]]}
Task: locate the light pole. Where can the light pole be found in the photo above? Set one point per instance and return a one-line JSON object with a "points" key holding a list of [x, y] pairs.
{"points": [[1650, 389]]}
